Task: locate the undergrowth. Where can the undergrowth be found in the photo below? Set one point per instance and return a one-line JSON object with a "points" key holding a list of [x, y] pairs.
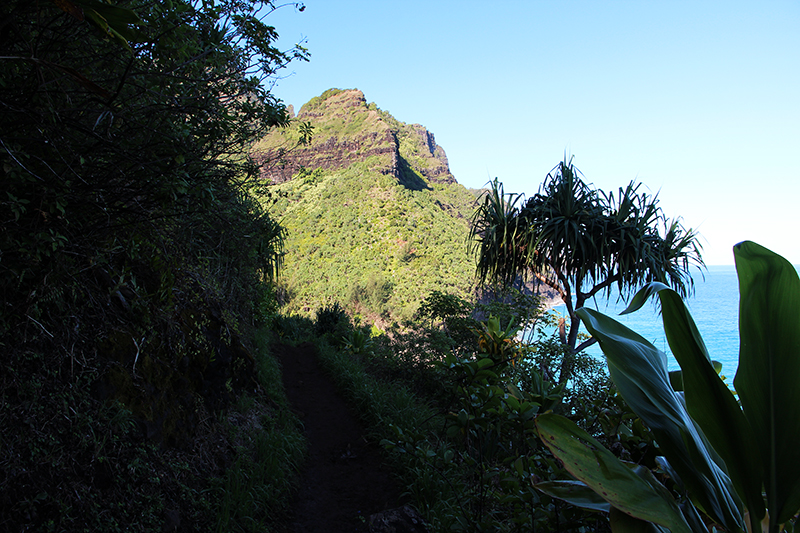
{"points": [[269, 448], [134, 269], [73, 462], [459, 429]]}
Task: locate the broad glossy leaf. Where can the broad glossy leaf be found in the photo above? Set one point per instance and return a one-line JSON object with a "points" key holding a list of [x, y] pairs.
{"points": [[676, 380], [709, 401], [676, 376], [623, 523], [769, 369], [642, 295], [639, 370], [575, 492], [588, 461]]}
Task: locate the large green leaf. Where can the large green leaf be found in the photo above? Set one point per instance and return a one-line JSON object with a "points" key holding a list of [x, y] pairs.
{"points": [[769, 369], [635, 493], [577, 493], [623, 523], [639, 370], [708, 400]]}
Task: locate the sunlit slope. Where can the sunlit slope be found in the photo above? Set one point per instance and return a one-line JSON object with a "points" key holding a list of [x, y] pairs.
{"points": [[375, 220]]}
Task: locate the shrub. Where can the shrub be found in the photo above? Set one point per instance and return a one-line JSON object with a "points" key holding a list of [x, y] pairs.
{"points": [[332, 320], [476, 474]]}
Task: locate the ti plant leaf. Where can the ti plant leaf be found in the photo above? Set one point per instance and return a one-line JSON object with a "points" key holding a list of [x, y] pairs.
{"points": [[705, 434], [628, 488], [769, 368], [577, 493], [709, 401], [623, 523], [676, 376], [639, 370]]}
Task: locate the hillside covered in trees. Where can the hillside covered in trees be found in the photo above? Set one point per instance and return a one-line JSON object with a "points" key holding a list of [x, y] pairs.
{"points": [[374, 218]]}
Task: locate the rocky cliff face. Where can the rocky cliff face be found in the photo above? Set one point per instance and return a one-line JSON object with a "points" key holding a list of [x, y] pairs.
{"points": [[347, 131]]}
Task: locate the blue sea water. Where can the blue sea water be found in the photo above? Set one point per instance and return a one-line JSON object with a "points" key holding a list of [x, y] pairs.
{"points": [[714, 307]]}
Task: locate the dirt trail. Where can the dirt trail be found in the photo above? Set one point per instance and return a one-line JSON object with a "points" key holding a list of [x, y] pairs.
{"points": [[342, 482]]}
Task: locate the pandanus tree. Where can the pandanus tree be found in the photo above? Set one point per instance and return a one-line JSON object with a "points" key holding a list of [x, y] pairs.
{"points": [[581, 242]]}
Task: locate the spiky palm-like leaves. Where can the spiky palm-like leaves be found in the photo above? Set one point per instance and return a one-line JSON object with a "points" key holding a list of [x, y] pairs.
{"points": [[497, 237], [581, 241]]}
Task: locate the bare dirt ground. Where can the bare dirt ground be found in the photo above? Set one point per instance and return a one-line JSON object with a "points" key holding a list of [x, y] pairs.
{"points": [[343, 481]]}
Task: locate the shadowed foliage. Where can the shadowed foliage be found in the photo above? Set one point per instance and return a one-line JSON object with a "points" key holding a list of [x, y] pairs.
{"points": [[133, 260]]}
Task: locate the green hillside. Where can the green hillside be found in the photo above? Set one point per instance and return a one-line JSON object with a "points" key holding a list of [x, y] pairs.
{"points": [[376, 228]]}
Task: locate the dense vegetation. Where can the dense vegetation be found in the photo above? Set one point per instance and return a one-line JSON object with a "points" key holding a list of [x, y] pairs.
{"points": [[478, 444], [132, 268], [370, 243], [359, 235], [460, 428], [138, 261]]}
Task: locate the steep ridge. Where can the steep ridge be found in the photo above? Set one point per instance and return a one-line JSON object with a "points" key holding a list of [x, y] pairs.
{"points": [[375, 218], [348, 130]]}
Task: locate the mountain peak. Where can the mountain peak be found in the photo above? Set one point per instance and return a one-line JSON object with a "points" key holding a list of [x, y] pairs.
{"points": [[333, 99], [347, 131]]}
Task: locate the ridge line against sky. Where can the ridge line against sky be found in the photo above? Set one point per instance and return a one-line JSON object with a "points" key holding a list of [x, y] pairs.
{"points": [[696, 100]]}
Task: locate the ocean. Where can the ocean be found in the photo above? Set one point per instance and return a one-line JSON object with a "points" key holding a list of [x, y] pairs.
{"points": [[714, 307]]}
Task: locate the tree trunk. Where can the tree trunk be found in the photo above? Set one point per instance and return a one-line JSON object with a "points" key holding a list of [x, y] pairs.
{"points": [[568, 360]]}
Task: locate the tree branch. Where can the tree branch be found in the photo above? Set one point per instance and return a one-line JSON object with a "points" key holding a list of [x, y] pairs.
{"points": [[585, 344], [602, 285]]}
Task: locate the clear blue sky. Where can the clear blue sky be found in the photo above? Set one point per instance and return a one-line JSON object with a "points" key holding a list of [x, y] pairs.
{"points": [[697, 100]]}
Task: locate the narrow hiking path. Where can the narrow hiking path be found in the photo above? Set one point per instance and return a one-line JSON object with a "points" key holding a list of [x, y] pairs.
{"points": [[342, 481]]}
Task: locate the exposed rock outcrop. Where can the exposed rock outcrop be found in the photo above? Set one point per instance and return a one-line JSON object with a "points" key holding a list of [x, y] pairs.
{"points": [[348, 130]]}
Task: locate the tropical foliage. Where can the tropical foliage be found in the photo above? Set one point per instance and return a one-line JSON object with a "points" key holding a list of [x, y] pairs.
{"points": [[139, 262], [369, 242], [133, 260], [581, 242], [727, 462], [470, 468]]}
